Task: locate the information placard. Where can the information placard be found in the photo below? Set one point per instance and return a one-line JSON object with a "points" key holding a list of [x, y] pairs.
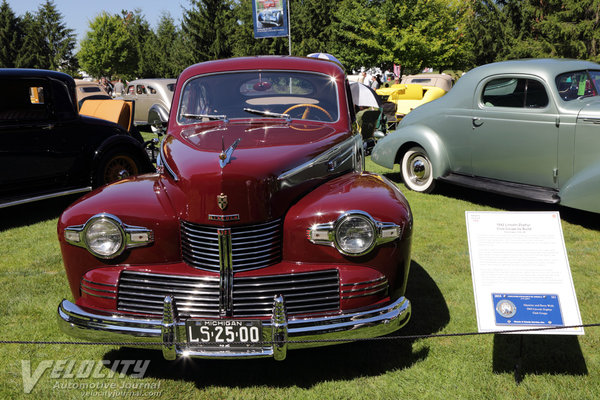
{"points": [[521, 274]]}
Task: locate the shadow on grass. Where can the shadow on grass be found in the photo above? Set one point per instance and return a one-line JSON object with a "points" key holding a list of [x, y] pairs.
{"points": [[32, 213], [541, 354], [306, 368], [585, 219]]}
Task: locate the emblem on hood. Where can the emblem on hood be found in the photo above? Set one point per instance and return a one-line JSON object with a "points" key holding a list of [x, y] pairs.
{"points": [[225, 156], [222, 201]]}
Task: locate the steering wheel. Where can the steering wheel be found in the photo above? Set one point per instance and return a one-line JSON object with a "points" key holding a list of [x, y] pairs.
{"points": [[307, 109]]}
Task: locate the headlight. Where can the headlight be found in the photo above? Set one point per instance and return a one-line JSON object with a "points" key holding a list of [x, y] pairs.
{"points": [[104, 237], [355, 234]]}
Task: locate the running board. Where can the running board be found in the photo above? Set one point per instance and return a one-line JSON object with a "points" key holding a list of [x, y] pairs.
{"points": [[30, 199], [512, 189]]}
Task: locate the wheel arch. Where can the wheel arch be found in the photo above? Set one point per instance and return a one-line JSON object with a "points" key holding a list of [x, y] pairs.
{"points": [[124, 143], [429, 140]]}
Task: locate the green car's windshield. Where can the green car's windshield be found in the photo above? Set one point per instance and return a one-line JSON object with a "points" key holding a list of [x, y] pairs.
{"points": [[578, 84], [259, 94]]}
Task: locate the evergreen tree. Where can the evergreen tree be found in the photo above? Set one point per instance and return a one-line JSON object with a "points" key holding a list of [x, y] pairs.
{"points": [[206, 28], [10, 36], [31, 52], [311, 26], [139, 33], [56, 40], [161, 51]]}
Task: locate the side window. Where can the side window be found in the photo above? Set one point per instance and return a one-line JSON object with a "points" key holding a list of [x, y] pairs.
{"points": [[131, 90], [27, 102], [535, 96], [140, 89], [151, 90], [514, 93]]}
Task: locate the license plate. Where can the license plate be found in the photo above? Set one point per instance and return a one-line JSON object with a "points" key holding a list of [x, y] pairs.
{"points": [[221, 333]]}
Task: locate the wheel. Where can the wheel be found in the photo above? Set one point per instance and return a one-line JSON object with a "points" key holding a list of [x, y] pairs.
{"points": [[307, 109], [114, 166], [417, 170]]}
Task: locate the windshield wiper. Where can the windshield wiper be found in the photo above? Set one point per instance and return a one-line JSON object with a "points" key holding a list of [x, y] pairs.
{"points": [[207, 116], [268, 113]]}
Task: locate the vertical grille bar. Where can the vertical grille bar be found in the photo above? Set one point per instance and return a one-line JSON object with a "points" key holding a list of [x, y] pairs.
{"points": [[226, 281]]}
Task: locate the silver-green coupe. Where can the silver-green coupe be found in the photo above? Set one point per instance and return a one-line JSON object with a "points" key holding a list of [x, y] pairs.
{"points": [[522, 128]]}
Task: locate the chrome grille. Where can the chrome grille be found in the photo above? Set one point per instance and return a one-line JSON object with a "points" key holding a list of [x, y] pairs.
{"points": [[305, 292], [143, 292], [254, 246]]}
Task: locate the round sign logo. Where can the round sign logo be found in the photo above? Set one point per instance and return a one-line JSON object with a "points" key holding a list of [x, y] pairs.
{"points": [[506, 308]]}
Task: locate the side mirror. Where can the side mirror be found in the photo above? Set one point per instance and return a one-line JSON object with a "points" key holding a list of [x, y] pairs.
{"points": [[159, 128]]}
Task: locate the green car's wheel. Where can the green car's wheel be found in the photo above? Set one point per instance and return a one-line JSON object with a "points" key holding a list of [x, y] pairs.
{"points": [[417, 171]]}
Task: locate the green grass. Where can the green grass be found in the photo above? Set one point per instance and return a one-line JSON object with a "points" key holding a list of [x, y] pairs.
{"points": [[33, 282]]}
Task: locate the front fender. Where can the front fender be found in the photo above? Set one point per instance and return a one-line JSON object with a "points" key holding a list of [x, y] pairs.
{"points": [[582, 190], [365, 192], [138, 201], [390, 149]]}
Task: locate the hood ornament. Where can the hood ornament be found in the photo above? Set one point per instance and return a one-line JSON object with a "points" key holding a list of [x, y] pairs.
{"points": [[225, 156]]}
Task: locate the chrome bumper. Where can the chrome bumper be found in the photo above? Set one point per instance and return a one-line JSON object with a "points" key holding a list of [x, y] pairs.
{"points": [[279, 334]]}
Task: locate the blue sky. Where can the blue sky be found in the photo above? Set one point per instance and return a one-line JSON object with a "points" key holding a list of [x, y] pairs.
{"points": [[77, 14]]}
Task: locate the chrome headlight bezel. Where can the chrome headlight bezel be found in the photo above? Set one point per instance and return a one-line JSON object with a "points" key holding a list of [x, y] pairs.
{"points": [[130, 236], [328, 234], [370, 230], [118, 245]]}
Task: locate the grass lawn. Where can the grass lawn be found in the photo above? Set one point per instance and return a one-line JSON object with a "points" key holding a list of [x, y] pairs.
{"points": [[33, 282]]}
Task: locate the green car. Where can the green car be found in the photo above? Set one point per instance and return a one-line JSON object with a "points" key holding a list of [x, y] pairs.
{"points": [[522, 128]]}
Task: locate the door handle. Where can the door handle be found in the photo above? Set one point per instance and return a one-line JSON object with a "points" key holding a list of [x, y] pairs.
{"points": [[477, 122]]}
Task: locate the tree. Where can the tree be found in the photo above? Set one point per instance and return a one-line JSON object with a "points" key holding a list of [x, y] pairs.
{"points": [[57, 41], [139, 33], [161, 53], [107, 48], [10, 36], [206, 28], [311, 26]]}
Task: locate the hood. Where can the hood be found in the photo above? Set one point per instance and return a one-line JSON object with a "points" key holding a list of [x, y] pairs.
{"points": [[251, 172]]}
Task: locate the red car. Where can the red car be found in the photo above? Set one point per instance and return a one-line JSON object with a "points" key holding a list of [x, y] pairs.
{"points": [[259, 228]]}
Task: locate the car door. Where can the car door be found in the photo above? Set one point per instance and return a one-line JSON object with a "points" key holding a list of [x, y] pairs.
{"points": [[515, 131], [38, 147], [143, 102]]}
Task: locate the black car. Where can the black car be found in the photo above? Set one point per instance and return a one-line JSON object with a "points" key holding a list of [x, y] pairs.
{"points": [[48, 149]]}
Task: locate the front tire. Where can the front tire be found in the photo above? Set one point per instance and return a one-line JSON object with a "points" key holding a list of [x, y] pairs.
{"points": [[417, 170], [114, 166]]}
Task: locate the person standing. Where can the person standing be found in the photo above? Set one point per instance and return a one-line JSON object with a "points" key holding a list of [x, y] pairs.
{"points": [[119, 88]]}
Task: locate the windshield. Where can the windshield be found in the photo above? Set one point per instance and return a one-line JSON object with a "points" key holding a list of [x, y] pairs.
{"points": [[578, 84], [259, 94]]}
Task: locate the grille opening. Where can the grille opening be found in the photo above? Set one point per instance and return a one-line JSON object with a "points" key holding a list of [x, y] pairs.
{"points": [[306, 292]]}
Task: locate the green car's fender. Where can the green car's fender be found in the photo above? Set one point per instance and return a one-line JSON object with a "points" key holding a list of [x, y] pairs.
{"points": [[390, 149], [582, 190]]}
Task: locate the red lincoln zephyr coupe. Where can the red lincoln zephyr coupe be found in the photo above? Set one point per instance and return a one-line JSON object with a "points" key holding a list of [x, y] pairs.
{"points": [[259, 230]]}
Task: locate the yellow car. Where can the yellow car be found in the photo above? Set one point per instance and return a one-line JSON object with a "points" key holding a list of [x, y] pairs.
{"points": [[413, 91]]}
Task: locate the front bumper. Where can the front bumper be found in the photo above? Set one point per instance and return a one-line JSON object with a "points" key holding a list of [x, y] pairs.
{"points": [[279, 334]]}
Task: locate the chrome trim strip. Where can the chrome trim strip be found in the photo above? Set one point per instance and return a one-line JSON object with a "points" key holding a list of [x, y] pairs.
{"points": [[322, 166], [45, 197], [97, 295], [107, 327], [83, 285], [161, 162], [100, 283], [383, 278], [368, 293], [226, 274], [366, 288]]}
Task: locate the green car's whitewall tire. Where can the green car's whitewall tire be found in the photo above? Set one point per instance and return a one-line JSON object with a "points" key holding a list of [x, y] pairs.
{"points": [[417, 170]]}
